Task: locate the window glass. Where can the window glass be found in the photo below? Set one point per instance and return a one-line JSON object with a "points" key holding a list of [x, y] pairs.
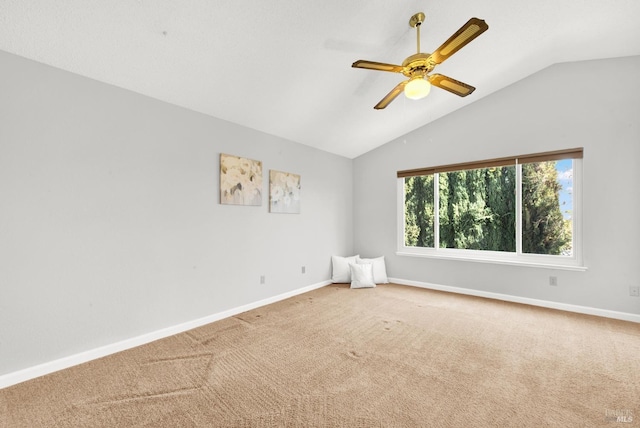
{"points": [[477, 209], [419, 213], [547, 208]]}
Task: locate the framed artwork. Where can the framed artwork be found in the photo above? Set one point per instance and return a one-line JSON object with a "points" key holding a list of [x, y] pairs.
{"points": [[284, 192], [240, 181]]}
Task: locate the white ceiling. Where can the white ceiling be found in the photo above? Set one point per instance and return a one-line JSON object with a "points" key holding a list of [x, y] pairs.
{"points": [[284, 66]]}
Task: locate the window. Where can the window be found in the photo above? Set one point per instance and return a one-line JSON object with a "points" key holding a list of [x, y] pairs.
{"points": [[521, 210]]}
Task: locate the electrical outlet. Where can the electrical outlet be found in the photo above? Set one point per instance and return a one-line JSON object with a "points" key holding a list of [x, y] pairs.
{"points": [[634, 291], [304, 269], [553, 280], [261, 279]]}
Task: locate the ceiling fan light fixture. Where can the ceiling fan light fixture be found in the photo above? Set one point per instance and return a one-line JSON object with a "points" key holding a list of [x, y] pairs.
{"points": [[417, 88]]}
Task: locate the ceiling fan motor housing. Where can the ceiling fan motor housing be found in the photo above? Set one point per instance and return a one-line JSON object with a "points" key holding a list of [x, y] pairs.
{"points": [[418, 64]]}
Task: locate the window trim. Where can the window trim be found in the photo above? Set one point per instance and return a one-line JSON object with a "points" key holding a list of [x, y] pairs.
{"points": [[575, 262]]}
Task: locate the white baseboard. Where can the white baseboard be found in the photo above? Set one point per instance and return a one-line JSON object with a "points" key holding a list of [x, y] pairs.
{"points": [[625, 316], [92, 354]]}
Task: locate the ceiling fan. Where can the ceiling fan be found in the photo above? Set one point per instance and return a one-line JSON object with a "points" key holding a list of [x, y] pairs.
{"points": [[417, 67]]}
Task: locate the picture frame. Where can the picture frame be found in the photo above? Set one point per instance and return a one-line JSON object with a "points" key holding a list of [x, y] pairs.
{"points": [[284, 192], [240, 180]]}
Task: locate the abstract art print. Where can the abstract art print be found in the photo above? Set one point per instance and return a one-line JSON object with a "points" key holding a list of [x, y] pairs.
{"points": [[240, 181], [284, 192]]}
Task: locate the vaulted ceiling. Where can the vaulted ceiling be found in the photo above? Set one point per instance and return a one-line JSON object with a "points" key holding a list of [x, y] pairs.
{"points": [[284, 66]]}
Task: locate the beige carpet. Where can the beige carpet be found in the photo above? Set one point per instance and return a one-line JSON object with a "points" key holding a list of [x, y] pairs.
{"points": [[394, 356]]}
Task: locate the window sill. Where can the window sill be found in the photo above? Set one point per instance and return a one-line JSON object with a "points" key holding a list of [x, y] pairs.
{"points": [[570, 264]]}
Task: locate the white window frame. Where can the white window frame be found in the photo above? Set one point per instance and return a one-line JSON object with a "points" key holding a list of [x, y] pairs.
{"points": [[574, 262]]}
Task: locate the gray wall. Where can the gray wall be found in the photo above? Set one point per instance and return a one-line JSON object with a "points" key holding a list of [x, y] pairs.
{"points": [[593, 104], [110, 225], [110, 222]]}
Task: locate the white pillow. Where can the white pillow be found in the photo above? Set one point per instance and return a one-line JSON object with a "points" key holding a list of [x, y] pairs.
{"points": [[362, 275], [341, 272], [379, 269]]}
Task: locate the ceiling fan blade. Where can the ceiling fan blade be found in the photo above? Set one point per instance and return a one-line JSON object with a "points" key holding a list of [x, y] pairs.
{"points": [[391, 96], [380, 66], [452, 85], [469, 31]]}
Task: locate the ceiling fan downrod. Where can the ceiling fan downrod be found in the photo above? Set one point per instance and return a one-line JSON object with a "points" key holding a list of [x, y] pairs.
{"points": [[415, 22]]}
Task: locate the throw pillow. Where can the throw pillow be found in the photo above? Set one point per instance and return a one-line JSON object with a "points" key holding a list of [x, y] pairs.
{"points": [[361, 275], [340, 268], [379, 269]]}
